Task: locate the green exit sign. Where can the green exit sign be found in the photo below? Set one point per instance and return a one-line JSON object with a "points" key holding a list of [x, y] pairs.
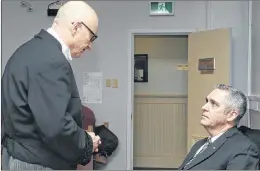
{"points": [[161, 8]]}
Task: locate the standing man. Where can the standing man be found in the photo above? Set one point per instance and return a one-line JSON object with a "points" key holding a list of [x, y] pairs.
{"points": [[41, 107], [226, 148]]}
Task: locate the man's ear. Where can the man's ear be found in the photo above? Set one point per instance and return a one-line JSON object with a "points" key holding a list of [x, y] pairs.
{"points": [[232, 115], [75, 26]]}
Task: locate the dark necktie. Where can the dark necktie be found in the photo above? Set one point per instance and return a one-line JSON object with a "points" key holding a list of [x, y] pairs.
{"points": [[206, 145]]}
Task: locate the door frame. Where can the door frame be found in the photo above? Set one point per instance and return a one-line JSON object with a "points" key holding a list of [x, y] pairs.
{"points": [[130, 76]]}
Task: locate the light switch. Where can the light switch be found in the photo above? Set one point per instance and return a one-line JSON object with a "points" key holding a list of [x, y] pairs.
{"points": [[114, 83], [108, 83]]}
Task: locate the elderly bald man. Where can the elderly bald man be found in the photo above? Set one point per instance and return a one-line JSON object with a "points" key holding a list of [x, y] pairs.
{"points": [[41, 108]]}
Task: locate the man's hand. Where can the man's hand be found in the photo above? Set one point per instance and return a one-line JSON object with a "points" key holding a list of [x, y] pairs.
{"points": [[96, 141]]}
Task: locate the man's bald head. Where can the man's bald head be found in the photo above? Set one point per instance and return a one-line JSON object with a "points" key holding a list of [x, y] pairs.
{"points": [[76, 23], [77, 10]]}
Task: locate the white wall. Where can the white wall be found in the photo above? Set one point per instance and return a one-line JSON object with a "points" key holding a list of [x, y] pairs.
{"points": [[110, 51], [165, 53], [255, 119], [255, 48], [255, 116]]}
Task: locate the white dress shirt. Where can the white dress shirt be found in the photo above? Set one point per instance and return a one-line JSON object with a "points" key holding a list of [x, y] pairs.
{"points": [[65, 48]]}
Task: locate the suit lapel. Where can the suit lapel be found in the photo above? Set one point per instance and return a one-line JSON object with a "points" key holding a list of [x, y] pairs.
{"points": [[212, 148], [192, 152], [208, 152]]}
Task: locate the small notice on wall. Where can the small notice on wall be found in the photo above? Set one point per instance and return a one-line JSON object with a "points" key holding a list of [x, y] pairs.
{"points": [[182, 67], [92, 87]]}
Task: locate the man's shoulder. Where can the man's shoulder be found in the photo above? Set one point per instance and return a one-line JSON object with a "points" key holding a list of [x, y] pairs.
{"points": [[38, 56], [242, 142], [34, 46], [252, 134]]}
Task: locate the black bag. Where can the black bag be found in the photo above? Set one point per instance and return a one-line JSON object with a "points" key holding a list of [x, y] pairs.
{"points": [[109, 140]]}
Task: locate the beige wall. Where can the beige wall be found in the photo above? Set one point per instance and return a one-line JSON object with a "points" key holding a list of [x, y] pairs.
{"points": [[164, 54]]}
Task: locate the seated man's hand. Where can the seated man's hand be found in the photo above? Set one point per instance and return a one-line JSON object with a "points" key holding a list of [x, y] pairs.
{"points": [[96, 141]]}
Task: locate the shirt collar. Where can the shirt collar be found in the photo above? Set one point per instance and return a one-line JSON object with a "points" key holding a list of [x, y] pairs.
{"points": [[65, 48], [212, 139]]}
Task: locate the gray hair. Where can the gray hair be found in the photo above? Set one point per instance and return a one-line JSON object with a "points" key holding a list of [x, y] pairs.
{"points": [[237, 100]]}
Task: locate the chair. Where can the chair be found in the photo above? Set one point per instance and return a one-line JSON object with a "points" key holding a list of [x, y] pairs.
{"points": [[253, 135], [89, 123]]}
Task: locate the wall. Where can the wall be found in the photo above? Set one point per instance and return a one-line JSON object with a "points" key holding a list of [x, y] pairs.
{"points": [[164, 54], [255, 116], [255, 48], [110, 51]]}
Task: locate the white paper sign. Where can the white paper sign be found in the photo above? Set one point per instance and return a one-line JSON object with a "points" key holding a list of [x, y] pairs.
{"points": [[92, 87]]}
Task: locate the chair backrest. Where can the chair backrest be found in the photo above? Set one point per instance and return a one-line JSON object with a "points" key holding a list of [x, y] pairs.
{"points": [[88, 119], [88, 123], [253, 135]]}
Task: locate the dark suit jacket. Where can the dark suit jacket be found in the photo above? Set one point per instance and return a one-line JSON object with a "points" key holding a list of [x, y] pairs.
{"points": [[231, 151], [41, 108]]}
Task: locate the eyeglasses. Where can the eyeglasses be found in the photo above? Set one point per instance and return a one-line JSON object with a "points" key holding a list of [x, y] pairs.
{"points": [[94, 34]]}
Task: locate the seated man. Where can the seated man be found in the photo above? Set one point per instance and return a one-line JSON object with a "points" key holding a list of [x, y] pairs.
{"points": [[226, 148]]}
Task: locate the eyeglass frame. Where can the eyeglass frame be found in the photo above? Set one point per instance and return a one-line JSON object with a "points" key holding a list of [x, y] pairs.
{"points": [[94, 37]]}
